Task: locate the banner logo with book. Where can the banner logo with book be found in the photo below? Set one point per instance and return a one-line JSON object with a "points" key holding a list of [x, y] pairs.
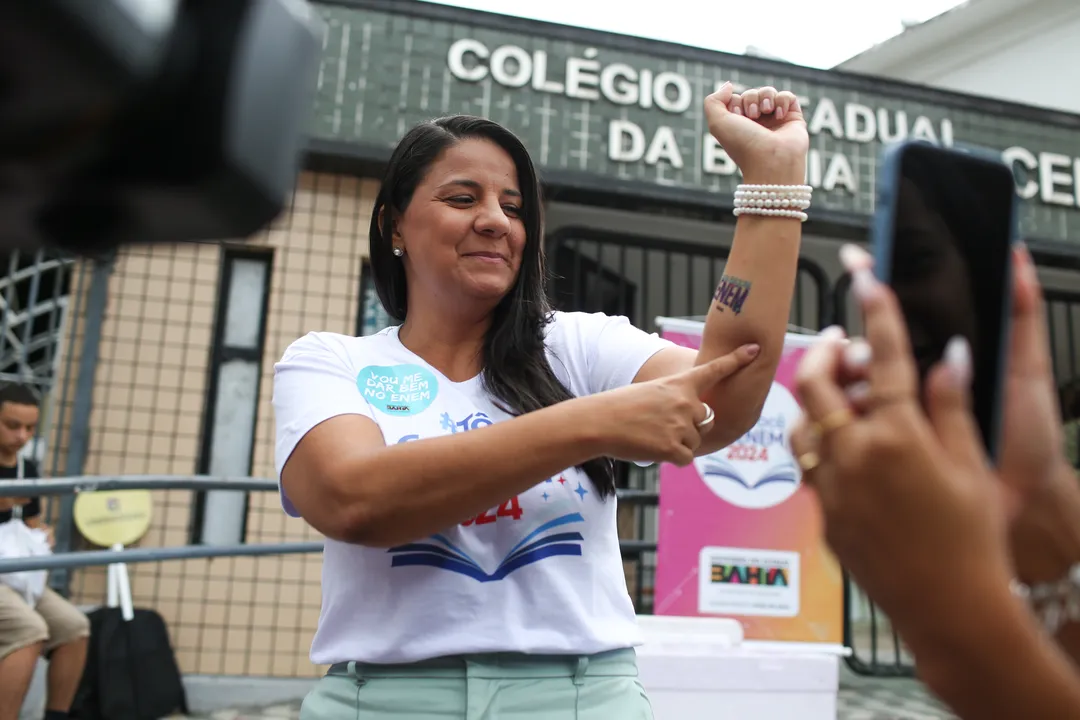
{"points": [[740, 536], [758, 471]]}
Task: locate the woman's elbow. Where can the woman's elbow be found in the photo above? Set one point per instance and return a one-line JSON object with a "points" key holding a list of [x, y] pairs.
{"points": [[328, 499], [333, 514], [728, 433], [349, 521], [346, 523], [748, 418], [356, 523], [369, 533], [739, 412]]}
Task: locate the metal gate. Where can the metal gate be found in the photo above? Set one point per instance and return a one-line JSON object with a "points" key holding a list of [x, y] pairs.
{"points": [[1063, 317], [644, 278], [38, 294]]}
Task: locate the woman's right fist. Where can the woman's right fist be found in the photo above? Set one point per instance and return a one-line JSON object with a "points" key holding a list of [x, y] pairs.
{"points": [[663, 420]]}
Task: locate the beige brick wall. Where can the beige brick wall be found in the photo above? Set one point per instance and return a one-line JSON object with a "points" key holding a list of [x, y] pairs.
{"points": [[231, 616]]}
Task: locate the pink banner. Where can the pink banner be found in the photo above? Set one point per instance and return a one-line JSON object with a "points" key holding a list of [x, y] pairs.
{"points": [[739, 536]]}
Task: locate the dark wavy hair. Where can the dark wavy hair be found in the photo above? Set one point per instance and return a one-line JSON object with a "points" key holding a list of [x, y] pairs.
{"points": [[18, 394], [516, 370]]}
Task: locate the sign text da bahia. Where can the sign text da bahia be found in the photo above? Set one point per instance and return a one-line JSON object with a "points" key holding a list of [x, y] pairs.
{"points": [[1052, 178]]}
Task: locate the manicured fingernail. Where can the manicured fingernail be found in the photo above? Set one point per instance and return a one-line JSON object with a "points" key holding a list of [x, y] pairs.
{"points": [[858, 392], [833, 333], [958, 360], [779, 113], [853, 257], [752, 111], [1027, 265], [766, 105], [864, 284], [737, 110], [857, 355], [752, 350], [1020, 254]]}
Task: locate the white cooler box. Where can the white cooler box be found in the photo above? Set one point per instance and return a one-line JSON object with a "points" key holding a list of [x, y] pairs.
{"points": [[702, 669]]}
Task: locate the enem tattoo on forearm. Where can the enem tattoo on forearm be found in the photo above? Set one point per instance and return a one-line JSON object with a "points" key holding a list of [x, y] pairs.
{"points": [[731, 293]]}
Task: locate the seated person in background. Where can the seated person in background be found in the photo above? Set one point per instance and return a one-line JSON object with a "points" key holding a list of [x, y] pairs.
{"points": [[54, 626]]}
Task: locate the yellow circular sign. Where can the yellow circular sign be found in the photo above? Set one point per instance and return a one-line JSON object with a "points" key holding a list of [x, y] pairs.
{"points": [[113, 517]]}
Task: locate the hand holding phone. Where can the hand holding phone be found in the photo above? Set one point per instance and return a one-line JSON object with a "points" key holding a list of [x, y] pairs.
{"points": [[945, 224]]}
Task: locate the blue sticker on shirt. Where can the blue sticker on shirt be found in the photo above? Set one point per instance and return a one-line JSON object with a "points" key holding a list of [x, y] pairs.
{"points": [[400, 390]]}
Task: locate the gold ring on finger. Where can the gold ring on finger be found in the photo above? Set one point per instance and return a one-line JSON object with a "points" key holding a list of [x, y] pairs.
{"points": [[809, 460], [832, 422]]}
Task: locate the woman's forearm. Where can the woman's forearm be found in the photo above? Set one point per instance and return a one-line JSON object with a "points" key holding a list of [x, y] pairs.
{"points": [[407, 491], [991, 661], [1046, 541], [1046, 536], [761, 272]]}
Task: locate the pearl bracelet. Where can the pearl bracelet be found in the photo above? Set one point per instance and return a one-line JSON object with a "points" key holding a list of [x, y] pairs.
{"points": [[807, 189], [787, 201], [1055, 603], [770, 212]]}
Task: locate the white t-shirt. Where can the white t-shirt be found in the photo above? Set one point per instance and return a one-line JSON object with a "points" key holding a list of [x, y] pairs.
{"points": [[540, 574]]}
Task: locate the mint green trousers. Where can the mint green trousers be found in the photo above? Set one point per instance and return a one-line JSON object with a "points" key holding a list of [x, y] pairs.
{"points": [[500, 686]]}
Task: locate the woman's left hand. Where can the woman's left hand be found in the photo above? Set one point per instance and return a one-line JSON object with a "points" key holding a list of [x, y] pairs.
{"points": [[764, 132], [1032, 441], [908, 496]]}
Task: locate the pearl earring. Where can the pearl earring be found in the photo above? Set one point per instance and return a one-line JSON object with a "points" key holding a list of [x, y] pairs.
{"points": [[398, 252]]}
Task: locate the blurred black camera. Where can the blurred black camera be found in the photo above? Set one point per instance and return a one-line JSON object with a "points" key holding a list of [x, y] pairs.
{"points": [[150, 121]]}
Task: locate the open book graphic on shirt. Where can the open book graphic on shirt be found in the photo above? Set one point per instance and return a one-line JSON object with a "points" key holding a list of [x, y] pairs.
{"points": [[719, 468], [439, 552]]}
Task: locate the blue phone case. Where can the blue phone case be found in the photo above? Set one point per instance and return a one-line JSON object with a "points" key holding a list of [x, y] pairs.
{"points": [[881, 242]]}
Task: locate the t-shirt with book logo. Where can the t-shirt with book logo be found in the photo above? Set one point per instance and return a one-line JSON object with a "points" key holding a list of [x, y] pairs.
{"points": [[540, 573]]}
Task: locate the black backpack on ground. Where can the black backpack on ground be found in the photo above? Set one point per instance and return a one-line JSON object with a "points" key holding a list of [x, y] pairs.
{"points": [[131, 672]]}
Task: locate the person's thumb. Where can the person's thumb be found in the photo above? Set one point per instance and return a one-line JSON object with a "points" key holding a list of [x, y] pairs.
{"points": [[948, 386], [721, 97], [706, 375], [716, 106]]}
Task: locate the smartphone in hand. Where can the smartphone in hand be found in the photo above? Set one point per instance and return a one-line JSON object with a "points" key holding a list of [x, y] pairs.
{"points": [[945, 223]]}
